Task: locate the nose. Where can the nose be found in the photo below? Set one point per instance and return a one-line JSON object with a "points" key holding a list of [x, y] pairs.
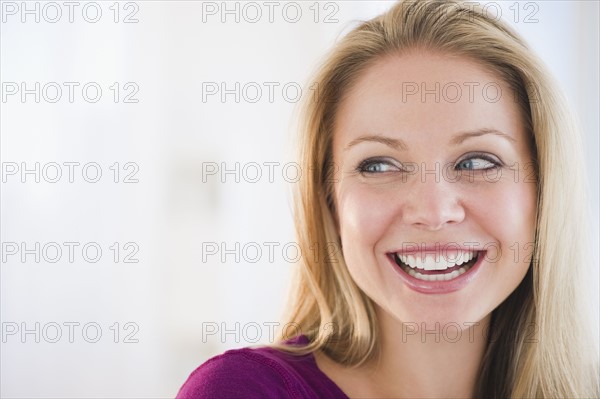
{"points": [[431, 203]]}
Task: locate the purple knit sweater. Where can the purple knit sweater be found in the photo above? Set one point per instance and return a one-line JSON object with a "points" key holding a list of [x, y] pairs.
{"points": [[260, 373]]}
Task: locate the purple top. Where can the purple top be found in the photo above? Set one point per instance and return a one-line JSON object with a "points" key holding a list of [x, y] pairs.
{"points": [[260, 373]]}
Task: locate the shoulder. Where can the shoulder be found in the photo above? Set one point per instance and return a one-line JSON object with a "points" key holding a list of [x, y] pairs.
{"points": [[235, 373], [258, 373]]}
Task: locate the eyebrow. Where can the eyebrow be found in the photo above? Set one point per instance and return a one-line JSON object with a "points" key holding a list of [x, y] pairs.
{"points": [[396, 144], [460, 137], [399, 144]]}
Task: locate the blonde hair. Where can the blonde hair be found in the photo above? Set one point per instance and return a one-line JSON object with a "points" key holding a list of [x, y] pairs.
{"points": [[339, 319]]}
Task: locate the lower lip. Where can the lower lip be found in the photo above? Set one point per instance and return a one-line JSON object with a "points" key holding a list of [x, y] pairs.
{"points": [[438, 287]]}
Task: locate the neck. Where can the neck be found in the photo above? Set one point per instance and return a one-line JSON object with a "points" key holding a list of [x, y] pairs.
{"points": [[433, 361]]}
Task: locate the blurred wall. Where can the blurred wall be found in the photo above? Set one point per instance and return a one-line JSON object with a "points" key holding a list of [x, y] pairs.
{"points": [[146, 153]]}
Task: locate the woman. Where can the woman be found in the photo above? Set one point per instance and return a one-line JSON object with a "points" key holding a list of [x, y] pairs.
{"points": [[444, 187]]}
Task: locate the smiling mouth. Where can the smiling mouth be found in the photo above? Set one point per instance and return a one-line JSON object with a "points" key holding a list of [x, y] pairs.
{"points": [[435, 267]]}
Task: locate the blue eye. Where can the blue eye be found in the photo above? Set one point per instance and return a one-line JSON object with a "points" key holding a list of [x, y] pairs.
{"points": [[478, 162], [377, 165]]}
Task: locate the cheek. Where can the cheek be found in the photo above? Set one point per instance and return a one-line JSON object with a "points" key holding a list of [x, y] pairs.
{"points": [[507, 211], [363, 215]]}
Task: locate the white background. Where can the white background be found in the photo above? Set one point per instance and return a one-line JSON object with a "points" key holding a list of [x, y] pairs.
{"points": [[172, 135]]}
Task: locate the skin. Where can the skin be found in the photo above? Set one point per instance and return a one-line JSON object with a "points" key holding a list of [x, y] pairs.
{"points": [[382, 206]]}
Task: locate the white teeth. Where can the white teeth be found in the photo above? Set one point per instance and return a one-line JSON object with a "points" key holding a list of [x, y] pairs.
{"points": [[437, 261], [413, 261], [438, 277], [408, 260], [429, 263]]}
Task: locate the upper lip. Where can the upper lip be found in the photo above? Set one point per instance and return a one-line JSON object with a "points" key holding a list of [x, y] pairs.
{"points": [[413, 247]]}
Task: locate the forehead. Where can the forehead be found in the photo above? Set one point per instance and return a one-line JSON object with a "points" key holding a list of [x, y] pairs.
{"points": [[426, 95]]}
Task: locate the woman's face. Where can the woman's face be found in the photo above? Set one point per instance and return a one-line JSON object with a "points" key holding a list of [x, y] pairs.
{"points": [[434, 188]]}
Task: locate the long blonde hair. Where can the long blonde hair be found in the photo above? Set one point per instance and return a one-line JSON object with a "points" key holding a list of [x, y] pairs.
{"points": [[540, 347]]}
